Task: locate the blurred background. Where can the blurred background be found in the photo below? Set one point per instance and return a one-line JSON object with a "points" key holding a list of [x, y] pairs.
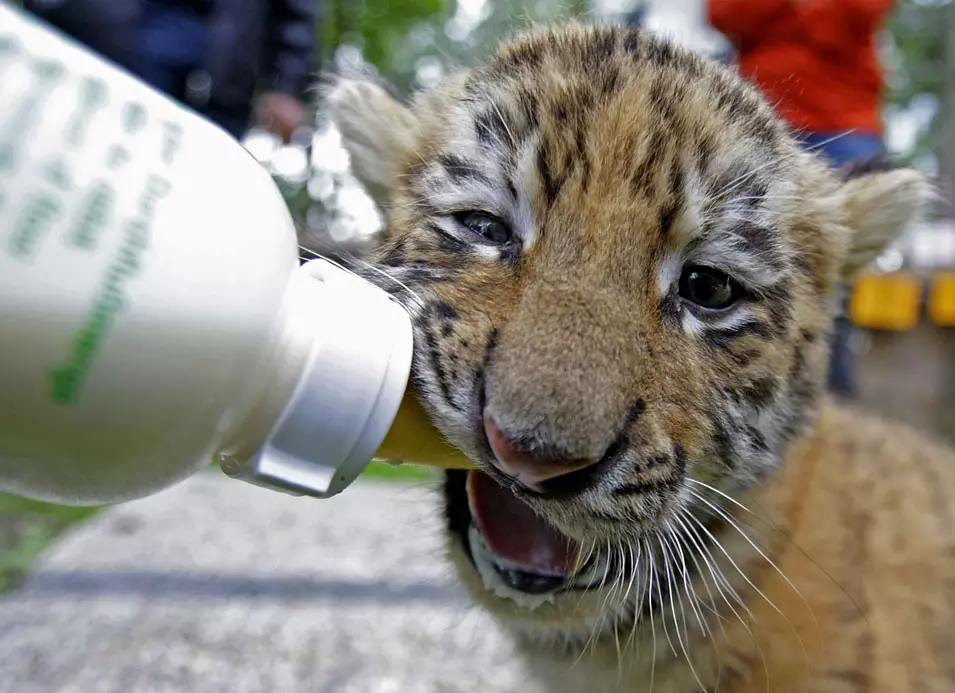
{"points": [[140, 562]]}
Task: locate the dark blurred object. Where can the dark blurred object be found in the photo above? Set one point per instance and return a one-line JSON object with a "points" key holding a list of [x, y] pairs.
{"points": [[816, 61], [208, 54], [637, 17], [842, 376]]}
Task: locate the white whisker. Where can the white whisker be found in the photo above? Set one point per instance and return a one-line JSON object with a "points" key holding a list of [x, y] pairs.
{"points": [[672, 587], [637, 604], [736, 567], [664, 547], [745, 536], [591, 641], [683, 542], [623, 601], [663, 619], [583, 558], [670, 566], [651, 568], [309, 251], [764, 198], [820, 145], [352, 258], [721, 493], [719, 511], [723, 586], [615, 585], [413, 294], [724, 583], [739, 180], [678, 543], [687, 536], [758, 591], [500, 117]]}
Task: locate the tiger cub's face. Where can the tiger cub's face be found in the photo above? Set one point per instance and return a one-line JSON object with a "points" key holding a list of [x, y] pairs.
{"points": [[619, 265]]}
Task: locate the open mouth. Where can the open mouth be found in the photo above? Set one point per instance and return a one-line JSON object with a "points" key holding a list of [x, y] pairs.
{"points": [[518, 555]]}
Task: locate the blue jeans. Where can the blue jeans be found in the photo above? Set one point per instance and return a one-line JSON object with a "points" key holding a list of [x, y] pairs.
{"points": [[845, 149], [170, 47], [840, 151]]}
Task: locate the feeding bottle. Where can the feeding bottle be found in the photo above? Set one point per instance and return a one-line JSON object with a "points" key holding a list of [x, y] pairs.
{"points": [[153, 314]]}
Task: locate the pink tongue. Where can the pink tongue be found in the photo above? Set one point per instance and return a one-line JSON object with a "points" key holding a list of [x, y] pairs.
{"points": [[513, 531]]}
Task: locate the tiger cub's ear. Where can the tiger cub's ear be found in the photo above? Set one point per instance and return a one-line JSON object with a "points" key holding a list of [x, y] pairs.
{"points": [[378, 131], [880, 202]]}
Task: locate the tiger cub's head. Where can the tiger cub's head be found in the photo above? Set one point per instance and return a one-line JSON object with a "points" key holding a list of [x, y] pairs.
{"points": [[620, 266]]}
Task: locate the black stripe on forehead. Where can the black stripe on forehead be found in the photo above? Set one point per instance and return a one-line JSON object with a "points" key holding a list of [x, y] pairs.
{"points": [[597, 49], [666, 97], [552, 174], [519, 57], [732, 100], [676, 197], [490, 128], [504, 122], [659, 52], [600, 49], [736, 206], [758, 239], [766, 130], [562, 147], [752, 130], [645, 172], [459, 170]]}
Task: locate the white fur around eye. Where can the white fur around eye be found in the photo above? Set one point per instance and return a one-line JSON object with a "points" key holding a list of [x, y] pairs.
{"points": [[490, 252], [726, 320], [691, 324], [525, 225], [449, 225], [669, 273]]}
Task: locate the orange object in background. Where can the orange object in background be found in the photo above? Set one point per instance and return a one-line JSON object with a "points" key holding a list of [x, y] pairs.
{"points": [[886, 301], [941, 299]]}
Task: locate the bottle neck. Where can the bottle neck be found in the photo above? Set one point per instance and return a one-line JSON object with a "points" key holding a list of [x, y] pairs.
{"points": [[287, 360], [334, 392], [333, 386], [412, 437]]}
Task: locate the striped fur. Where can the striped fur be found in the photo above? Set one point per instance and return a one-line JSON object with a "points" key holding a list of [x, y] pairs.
{"points": [[615, 160]]}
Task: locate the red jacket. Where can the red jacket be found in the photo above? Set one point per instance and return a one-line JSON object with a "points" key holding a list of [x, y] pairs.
{"points": [[814, 59]]}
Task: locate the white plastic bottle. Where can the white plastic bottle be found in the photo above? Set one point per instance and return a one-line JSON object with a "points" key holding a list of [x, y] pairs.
{"points": [[152, 311]]}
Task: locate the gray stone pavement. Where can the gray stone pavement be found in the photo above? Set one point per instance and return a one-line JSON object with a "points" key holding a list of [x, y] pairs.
{"points": [[220, 586]]}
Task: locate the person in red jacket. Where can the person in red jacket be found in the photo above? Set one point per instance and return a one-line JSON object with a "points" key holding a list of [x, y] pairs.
{"points": [[816, 61]]}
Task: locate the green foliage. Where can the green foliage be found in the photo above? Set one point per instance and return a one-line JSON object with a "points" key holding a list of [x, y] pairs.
{"points": [[502, 19], [394, 35], [402, 472], [919, 30], [26, 528], [391, 35]]}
